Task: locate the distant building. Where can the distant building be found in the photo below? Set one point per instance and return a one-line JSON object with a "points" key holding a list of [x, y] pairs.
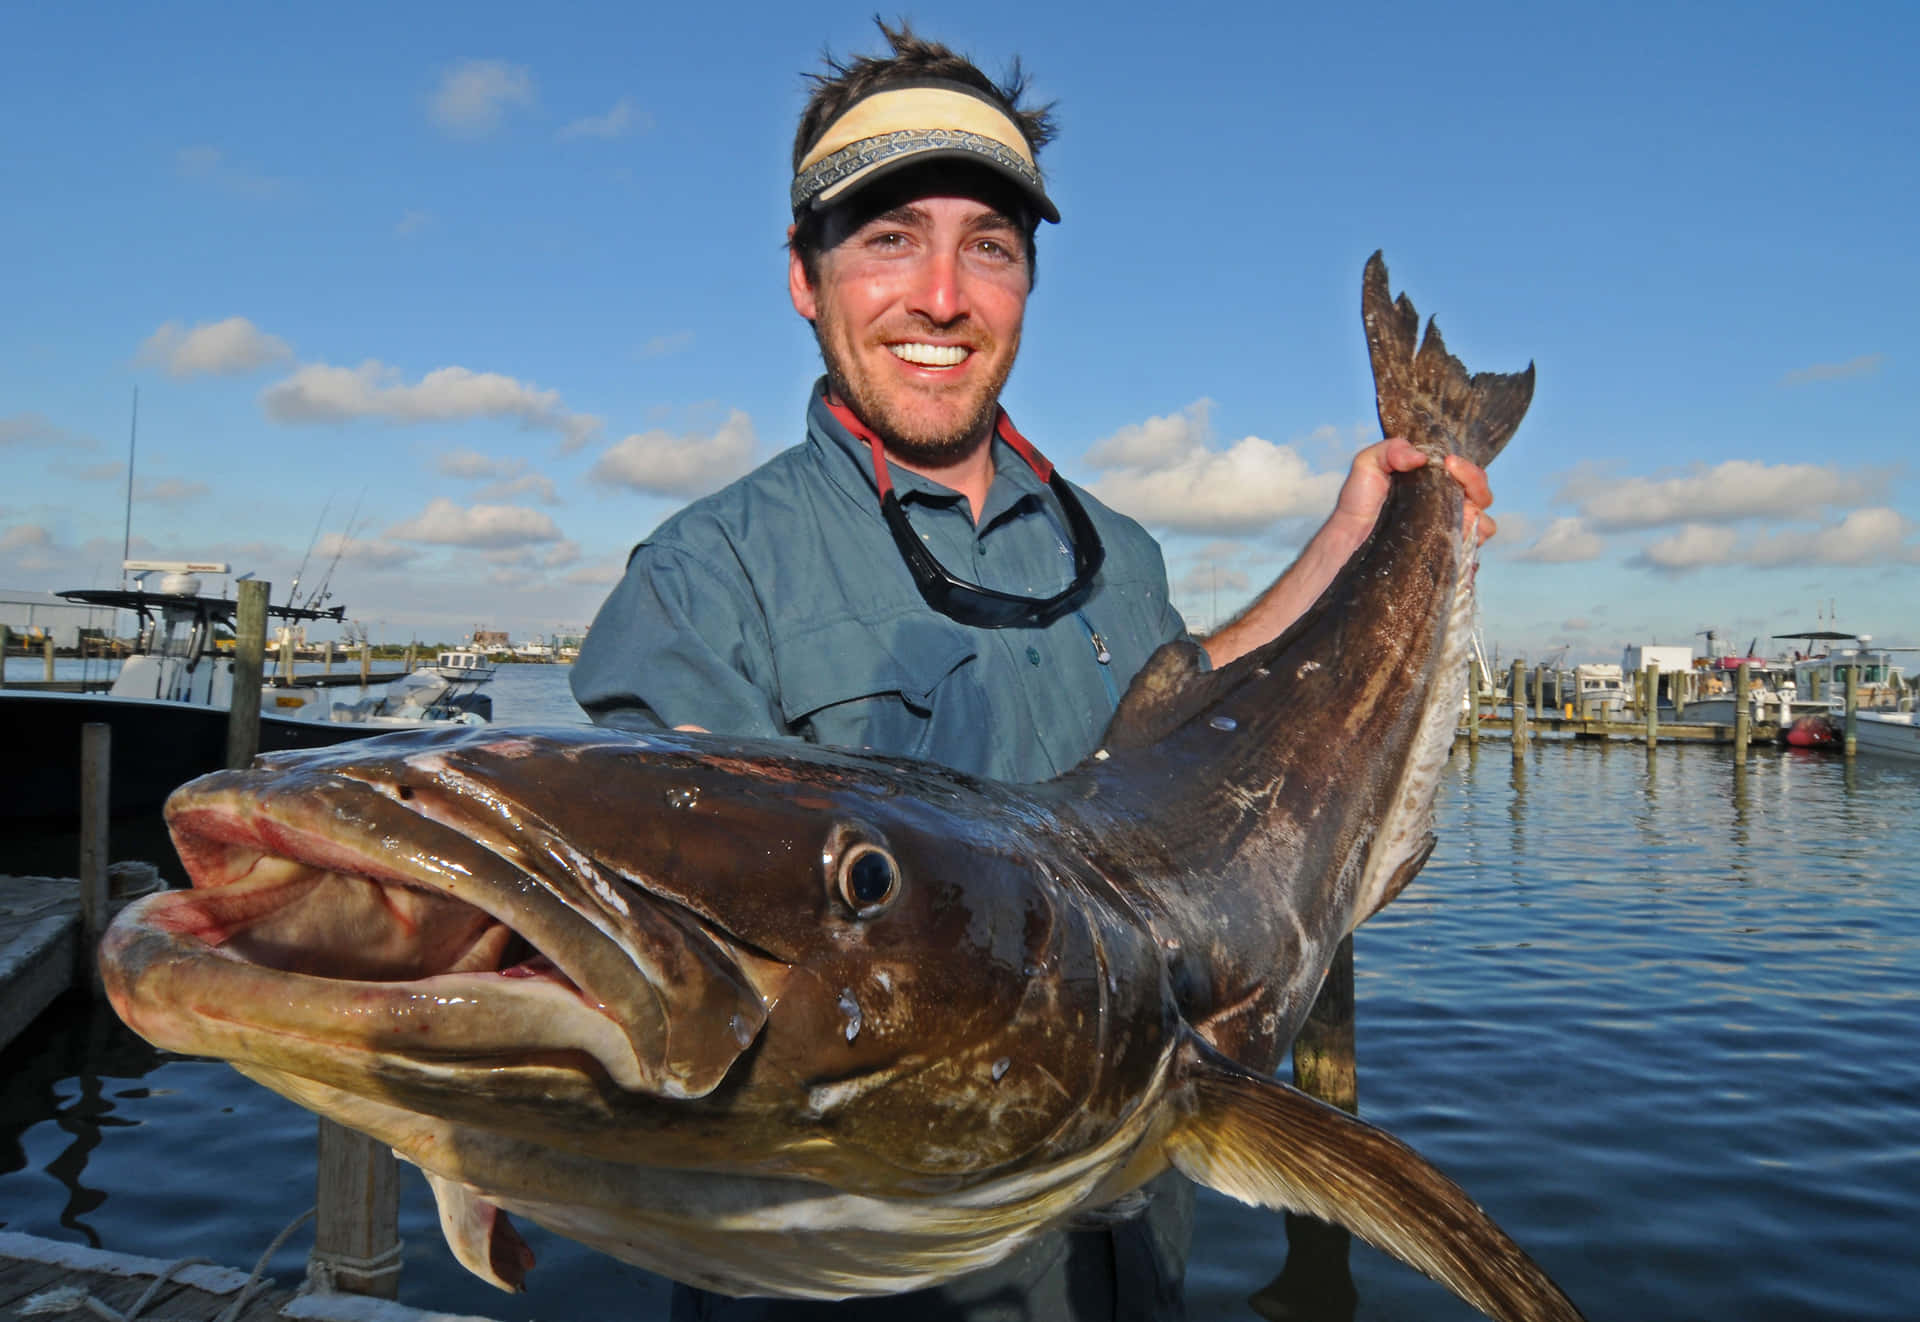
{"points": [[35, 615], [491, 640]]}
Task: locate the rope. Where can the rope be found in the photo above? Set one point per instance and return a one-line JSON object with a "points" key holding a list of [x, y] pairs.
{"points": [[323, 1269], [67, 1298]]}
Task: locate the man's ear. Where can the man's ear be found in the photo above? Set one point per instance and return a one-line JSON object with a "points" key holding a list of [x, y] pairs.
{"points": [[799, 288]]}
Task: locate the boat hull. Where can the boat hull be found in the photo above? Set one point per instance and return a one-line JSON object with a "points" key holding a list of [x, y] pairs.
{"points": [[156, 747]]}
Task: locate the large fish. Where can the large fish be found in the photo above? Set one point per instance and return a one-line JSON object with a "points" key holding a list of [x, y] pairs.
{"points": [[777, 1019]]}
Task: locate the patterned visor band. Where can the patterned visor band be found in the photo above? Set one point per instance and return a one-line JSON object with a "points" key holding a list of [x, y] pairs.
{"points": [[909, 125]]}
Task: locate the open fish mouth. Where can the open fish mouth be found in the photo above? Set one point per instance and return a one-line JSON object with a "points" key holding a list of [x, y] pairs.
{"points": [[339, 927]]}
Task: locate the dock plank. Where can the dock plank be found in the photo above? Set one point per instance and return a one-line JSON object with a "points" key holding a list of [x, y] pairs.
{"points": [[39, 945], [30, 1266]]}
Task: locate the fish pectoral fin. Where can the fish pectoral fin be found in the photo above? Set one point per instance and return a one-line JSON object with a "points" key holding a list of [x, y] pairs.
{"points": [[1265, 1143], [481, 1235]]}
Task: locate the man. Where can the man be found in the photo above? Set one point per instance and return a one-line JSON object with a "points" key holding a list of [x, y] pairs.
{"points": [[913, 578]]}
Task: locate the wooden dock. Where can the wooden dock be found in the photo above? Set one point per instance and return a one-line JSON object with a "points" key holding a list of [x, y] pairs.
{"points": [[1576, 727], [48, 1278], [39, 947]]}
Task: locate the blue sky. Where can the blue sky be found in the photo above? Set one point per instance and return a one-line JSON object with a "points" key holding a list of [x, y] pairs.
{"points": [[485, 291]]}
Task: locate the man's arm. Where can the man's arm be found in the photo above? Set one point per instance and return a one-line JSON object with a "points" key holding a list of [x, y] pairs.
{"points": [[1361, 497]]}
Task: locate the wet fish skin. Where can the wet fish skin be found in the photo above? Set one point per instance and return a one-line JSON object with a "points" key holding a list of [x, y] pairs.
{"points": [[1076, 984]]}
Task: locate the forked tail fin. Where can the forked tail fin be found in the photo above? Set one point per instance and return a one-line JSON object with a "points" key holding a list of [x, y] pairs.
{"points": [[1426, 395]]}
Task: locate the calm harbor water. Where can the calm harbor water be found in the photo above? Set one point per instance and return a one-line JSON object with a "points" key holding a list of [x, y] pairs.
{"points": [[1659, 1014]]}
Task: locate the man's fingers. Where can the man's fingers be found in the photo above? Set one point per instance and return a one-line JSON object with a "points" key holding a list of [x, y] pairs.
{"points": [[1472, 479]]}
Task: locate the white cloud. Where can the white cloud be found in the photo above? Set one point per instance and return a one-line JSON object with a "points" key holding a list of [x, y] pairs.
{"points": [[469, 463], [536, 485], [616, 123], [210, 163], [492, 526], [1695, 546], [35, 429], [320, 392], [25, 536], [1163, 473], [1875, 536], [661, 345], [1865, 365], [1564, 542], [374, 553], [1158, 441], [688, 465], [1727, 492], [596, 576], [474, 96], [167, 491], [223, 348]]}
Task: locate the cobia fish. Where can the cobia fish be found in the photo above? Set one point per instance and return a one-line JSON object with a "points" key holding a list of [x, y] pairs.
{"points": [[777, 1019]]}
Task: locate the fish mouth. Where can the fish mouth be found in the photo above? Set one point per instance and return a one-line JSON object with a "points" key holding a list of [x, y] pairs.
{"points": [[340, 927]]}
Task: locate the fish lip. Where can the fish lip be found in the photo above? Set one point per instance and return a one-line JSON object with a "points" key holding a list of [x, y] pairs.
{"points": [[327, 826]]}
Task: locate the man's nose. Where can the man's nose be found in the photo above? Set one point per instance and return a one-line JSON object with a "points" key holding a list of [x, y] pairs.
{"points": [[939, 290]]}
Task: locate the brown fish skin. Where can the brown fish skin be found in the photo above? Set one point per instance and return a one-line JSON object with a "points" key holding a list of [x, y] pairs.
{"points": [[626, 986]]}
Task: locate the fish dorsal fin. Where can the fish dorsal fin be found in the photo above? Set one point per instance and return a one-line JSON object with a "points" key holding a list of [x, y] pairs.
{"points": [[1164, 695], [1265, 1143]]}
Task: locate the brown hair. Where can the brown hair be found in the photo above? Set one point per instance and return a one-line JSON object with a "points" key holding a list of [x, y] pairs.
{"points": [[914, 57]]}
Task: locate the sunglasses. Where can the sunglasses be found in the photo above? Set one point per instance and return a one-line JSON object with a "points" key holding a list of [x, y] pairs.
{"points": [[970, 603]]}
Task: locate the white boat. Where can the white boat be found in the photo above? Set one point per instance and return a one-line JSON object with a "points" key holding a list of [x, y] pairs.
{"points": [[464, 663], [447, 690], [1893, 732], [167, 708], [1599, 692]]}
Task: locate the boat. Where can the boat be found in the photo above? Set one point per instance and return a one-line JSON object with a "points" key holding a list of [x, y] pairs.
{"points": [[1599, 692], [1890, 732], [446, 689], [167, 707]]}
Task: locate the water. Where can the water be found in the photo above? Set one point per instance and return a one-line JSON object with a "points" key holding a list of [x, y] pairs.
{"points": [[1660, 1015]]}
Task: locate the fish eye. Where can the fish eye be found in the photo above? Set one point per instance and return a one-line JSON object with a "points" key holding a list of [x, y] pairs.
{"points": [[868, 879]]}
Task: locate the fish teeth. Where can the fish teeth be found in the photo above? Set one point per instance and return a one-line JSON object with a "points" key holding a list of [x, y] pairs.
{"points": [[930, 355]]}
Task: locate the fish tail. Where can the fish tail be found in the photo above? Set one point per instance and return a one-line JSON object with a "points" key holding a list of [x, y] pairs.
{"points": [[1425, 394]]}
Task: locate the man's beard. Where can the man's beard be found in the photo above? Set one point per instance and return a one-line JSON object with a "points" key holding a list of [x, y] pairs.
{"points": [[907, 438]]}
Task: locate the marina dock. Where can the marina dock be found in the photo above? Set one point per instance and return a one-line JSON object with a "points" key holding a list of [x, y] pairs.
{"points": [[44, 1277], [39, 947]]}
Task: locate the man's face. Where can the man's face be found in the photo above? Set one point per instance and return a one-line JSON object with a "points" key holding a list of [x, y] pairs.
{"points": [[918, 312]]}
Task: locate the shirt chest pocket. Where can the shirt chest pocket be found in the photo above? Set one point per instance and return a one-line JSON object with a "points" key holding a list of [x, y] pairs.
{"points": [[908, 686]]}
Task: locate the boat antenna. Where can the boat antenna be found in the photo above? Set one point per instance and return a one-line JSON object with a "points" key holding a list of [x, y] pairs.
{"points": [[320, 592], [126, 537], [293, 593]]}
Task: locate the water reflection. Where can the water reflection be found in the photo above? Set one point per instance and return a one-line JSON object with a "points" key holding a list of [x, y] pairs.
{"points": [[74, 1044]]}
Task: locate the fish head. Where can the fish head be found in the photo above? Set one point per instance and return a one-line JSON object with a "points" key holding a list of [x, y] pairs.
{"points": [[667, 950]]}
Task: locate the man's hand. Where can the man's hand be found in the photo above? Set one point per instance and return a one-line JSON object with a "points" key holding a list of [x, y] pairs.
{"points": [[1365, 489]]}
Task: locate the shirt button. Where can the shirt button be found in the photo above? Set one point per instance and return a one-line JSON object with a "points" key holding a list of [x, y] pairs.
{"points": [[1033, 655]]}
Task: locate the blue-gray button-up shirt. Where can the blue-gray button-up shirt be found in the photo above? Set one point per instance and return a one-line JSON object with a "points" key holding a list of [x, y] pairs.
{"points": [[781, 606]]}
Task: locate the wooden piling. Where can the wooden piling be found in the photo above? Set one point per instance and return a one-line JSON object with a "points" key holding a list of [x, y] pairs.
{"points": [[366, 663], [1742, 711], [1473, 706], [357, 1225], [1853, 705], [1540, 693], [1517, 692], [96, 781], [1317, 1280], [326, 657], [47, 648], [1650, 694], [6, 645], [249, 671], [410, 652]]}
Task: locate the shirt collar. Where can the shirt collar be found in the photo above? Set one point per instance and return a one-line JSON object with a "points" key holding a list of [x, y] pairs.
{"points": [[850, 465]]}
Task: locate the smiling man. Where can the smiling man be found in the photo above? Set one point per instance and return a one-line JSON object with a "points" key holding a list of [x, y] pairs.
{"points": [[914, 577]]}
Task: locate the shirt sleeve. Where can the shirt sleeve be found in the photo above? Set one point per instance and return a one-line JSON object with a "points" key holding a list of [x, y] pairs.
{"points": [[678, 642]]}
